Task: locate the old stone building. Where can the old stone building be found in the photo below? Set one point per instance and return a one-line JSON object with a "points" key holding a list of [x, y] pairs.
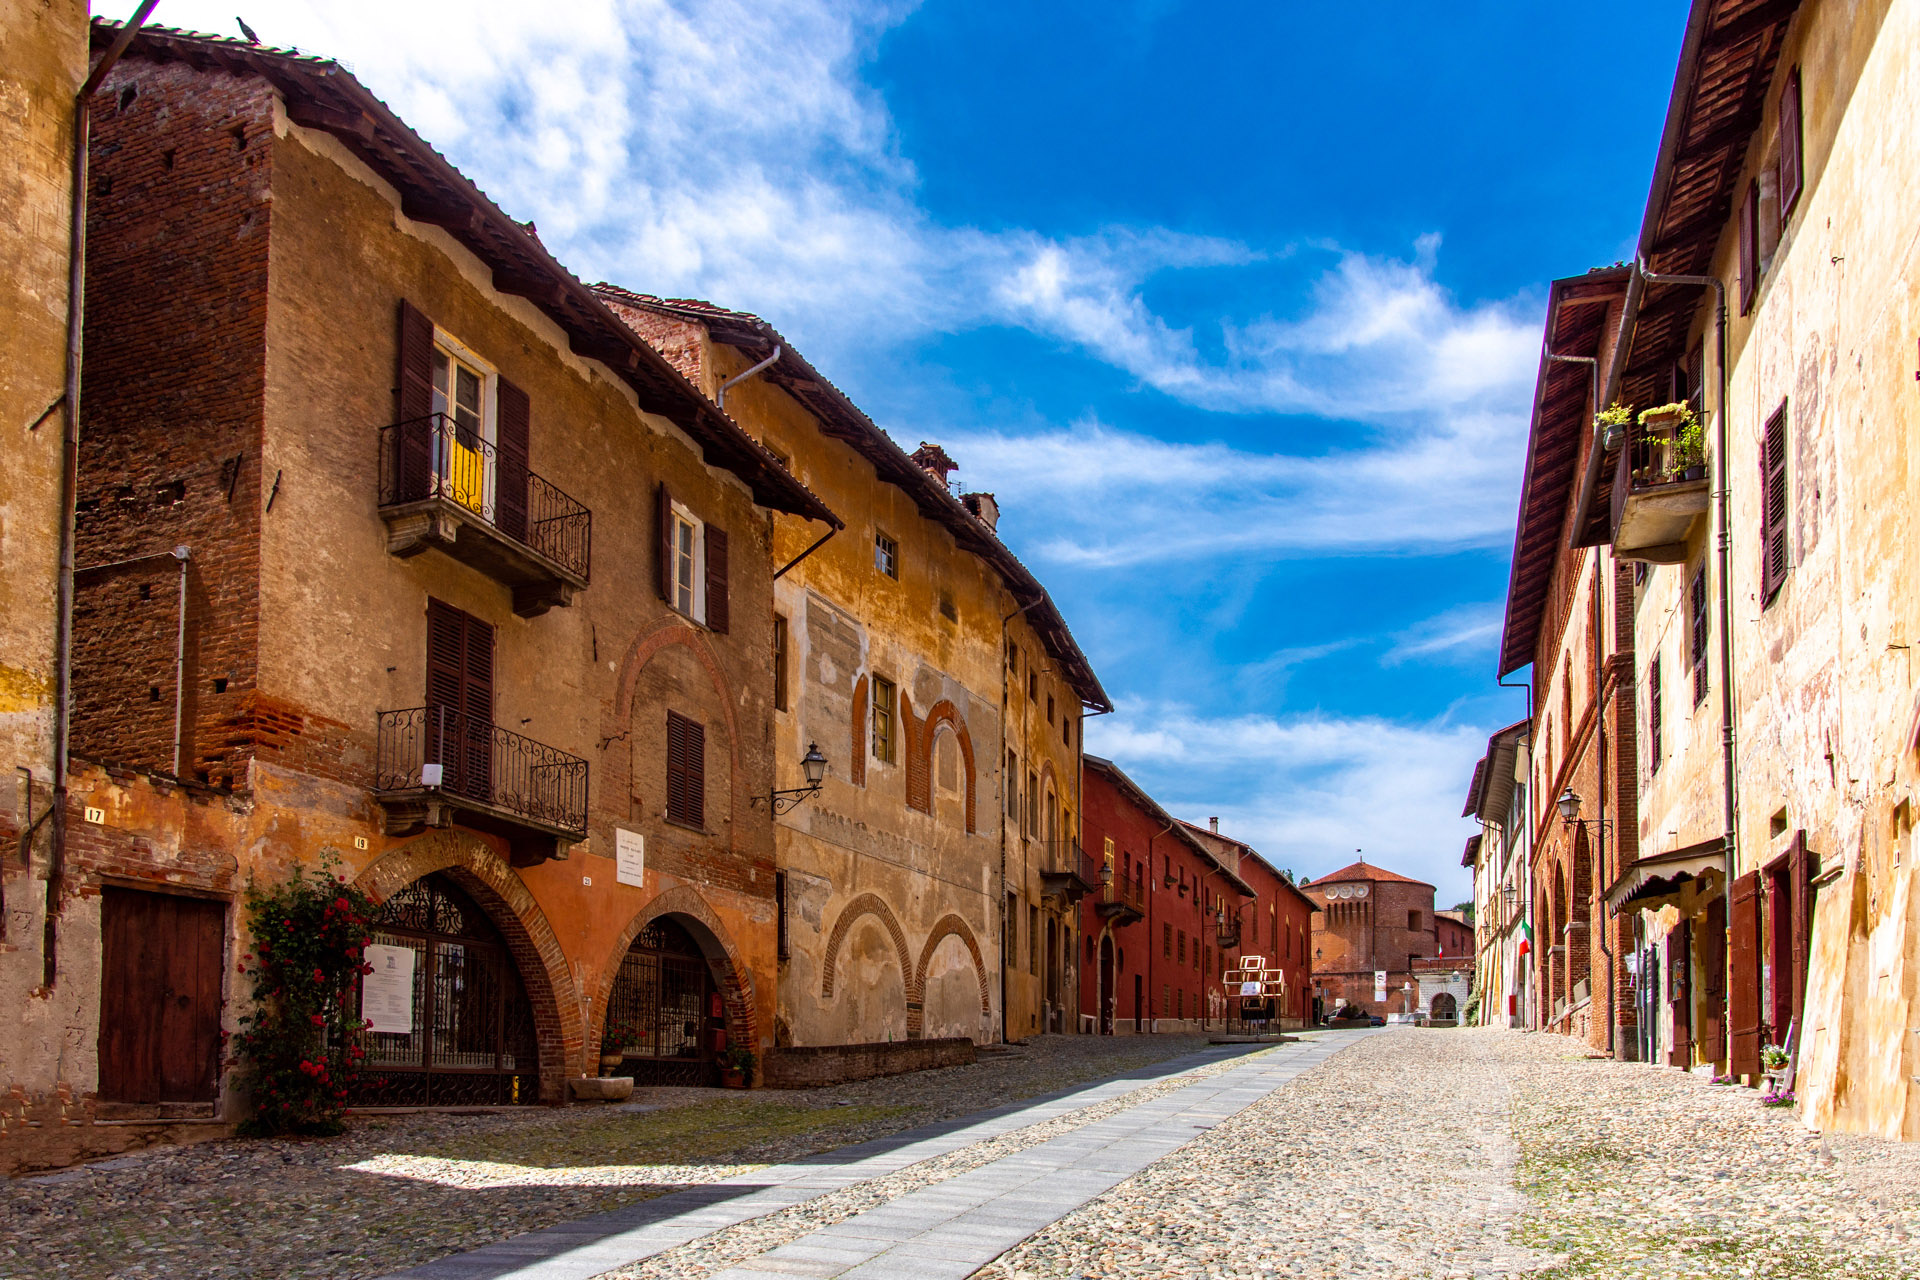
{"points": [[1569, 616], [1502, 879], [1777, 297], [1369, 922], [395, 546], [919, 887], [1273, 926]]}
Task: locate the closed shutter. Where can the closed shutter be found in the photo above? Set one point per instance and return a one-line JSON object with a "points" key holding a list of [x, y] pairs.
{"points": [[1697, 602], [1800, 896], [663, 541], [717, 618], [1749, 247], [512, 432], [1773, 506], [1680, 994], [459, 729], [412, 461], [686, 770], [1790, 175], [1743, 995]]}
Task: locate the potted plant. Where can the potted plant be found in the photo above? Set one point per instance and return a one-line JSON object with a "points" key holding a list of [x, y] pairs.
{"points": [[613, 1040], [1773, 1060], [1612, 422], [1687, 456], [736, 1066]]}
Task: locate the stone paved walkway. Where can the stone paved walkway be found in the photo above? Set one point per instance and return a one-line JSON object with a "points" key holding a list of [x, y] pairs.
{"points": [[946, 1227]]}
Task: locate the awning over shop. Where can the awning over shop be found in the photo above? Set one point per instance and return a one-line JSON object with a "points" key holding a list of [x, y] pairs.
{"points": [[1654, 882]]}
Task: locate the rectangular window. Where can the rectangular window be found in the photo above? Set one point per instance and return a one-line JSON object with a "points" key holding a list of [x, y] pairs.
{"points": [[1653, 717], [1180, 946], [1773, 506], [686, 771], [1066, 730], [1033, 940], [1166, 941], [1413, 921], [779, 663], [1790, 134], [781, 949], [1049, 708], [1697, 632], [1033, 805], [688, 573], [1033, 684], [883, 719], [886, 555], [1013, 657], [1013, 786], [1749, 246]]}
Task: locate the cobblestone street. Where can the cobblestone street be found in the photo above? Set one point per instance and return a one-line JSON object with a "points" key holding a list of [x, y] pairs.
{"points": [[1398, 1153]]}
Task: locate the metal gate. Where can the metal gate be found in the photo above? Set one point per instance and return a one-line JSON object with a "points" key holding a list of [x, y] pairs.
{"points": [[472, 1042], [665, 1012]]}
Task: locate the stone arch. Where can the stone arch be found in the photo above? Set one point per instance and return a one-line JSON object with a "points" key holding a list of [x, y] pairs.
{"points": [[943, 715], [864, 905], [472, 863], [619, 774], [1050, 802], [1443, 1007], [734, 980], [948, 926]]}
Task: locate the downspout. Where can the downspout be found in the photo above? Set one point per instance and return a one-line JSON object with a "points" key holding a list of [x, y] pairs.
{"points": [[1013, 785], [182, 554], [1722, 495], [720, 397], [70, 472]]}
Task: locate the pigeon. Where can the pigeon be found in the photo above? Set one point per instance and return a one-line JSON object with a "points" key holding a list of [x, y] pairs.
{"points": [[247, 31]]}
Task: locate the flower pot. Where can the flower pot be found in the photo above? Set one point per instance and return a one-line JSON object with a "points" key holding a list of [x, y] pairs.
{"points": [[733, 1079], [1694, 473], [609, 1062]]}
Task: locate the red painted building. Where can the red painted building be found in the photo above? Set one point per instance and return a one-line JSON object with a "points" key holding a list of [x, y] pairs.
{"points": [[1171, 894]]}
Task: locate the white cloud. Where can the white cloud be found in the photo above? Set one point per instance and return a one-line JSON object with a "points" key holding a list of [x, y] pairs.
{"points": [[1463, 633], [732, 150], [1309, 790]]}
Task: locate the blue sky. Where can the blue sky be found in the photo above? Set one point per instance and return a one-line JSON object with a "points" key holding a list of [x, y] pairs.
{"points": [[1235, 306]]}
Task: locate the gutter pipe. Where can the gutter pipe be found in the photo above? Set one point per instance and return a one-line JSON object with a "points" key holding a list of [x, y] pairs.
{"points": [[720, 399], [70, 472]]}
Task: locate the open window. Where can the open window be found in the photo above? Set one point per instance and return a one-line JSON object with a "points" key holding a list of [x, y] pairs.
{"points": [[692, 557]]}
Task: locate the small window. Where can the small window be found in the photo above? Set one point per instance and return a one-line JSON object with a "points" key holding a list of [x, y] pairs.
{"points": [[1033, 684], [886, 555], [1049, 708], [1653, 717], [948, 609], [779, 663], [1790, 135], [1749, 246], [1013, 657], [1180, 946], [1033, 940], [1013, 786], [1066, 730], [883, 719], [686, 771], [689, 568], [1166, 941], [782, 949], [1109, 850], [1033, 804], [1773, 507], [1697, 632], [1413, 921]]}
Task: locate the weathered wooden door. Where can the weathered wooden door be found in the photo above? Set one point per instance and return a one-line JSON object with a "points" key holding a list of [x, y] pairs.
{"points": [[160, 975]]}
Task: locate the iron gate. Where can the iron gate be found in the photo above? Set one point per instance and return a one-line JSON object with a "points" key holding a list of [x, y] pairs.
{"points": [[472, 1042], [665, 1012]]}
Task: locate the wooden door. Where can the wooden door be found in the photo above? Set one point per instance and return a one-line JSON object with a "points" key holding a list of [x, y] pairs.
{"points": [[160, 976]]}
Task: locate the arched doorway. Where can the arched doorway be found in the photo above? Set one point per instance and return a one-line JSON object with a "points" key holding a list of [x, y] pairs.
{"points": [[1443, 1008], [1106, 986], [472, 1040], [665, 1013]]}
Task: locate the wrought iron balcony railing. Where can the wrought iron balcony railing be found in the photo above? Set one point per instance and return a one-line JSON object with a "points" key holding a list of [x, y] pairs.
{"points": [[1067, 869], [474, 764], [1123, 898], [433, 460]]}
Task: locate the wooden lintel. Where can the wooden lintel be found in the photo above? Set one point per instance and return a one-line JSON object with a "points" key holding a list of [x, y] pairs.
{"points": [[541, 289], [454, 215], [614, 354], [335, 120]]}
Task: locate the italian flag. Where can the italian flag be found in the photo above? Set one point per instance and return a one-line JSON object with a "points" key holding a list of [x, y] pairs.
{"points": [[1526, 937]]}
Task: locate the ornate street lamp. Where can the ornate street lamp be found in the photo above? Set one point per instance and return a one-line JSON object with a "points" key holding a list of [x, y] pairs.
{"points": [[814, 766]]}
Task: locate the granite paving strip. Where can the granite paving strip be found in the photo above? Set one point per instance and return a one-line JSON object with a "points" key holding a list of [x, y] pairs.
{"points": [[954, 1227], [593, 1245]]}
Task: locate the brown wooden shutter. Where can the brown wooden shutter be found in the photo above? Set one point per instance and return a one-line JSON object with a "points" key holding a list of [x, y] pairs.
{"points": [[663, 539], [1790, 170], [1800, 894], [686, 770], [477, 697], [412, 463], [512, 431], [1743, 995], [459, 729], [1680, 993], [1711, 1033], [717, 616], [1773, 505], [1749, 246]]}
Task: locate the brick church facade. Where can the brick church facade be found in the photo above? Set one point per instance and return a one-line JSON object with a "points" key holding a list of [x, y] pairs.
{"points": [[1371, 919]]}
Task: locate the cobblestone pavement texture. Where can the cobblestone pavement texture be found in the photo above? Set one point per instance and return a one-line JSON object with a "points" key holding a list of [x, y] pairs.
{"points": [[1425, 1153], [400, 1189]]}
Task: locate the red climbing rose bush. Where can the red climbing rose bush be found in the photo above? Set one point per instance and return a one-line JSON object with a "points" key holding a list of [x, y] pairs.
{"points": [[302, 1044]]}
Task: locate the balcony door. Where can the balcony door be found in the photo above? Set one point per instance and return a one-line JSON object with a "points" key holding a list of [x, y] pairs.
{"points": [[460, 700], [463, 454]]}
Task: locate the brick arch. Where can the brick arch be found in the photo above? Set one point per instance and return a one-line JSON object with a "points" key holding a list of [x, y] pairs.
{"points": [[864, 905], [920, 777], [948, 926], [1048, 778], [473, 864], [735, 980], [642, 651]]}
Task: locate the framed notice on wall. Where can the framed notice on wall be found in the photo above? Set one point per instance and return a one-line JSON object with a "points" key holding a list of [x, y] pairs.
{"points": [[629, 857], [386, 994], [1380, 986]]}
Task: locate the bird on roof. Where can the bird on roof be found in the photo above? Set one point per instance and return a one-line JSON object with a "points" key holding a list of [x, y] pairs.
{"points": [[247, 31]]}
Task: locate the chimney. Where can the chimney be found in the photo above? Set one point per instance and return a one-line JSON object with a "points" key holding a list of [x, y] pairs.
{"points": [[1214, 825], [984, 507], [932, 459]]}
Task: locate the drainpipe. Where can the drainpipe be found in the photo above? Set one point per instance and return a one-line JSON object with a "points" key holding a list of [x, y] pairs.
{"points": [[1722, 495], [182, 554], [70, 470], [720, 399]]}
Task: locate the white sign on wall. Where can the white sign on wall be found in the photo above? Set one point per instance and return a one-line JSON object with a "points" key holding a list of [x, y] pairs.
{"points": [[1379, 986], [629, 857], [386, 994]]}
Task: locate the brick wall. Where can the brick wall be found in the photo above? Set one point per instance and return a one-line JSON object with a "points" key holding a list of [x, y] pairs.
{"points": [[171, 437], [810, 1067]]}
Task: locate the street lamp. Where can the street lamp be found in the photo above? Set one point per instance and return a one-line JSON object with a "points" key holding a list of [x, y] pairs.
{"points": [[814, 766], [1569, 806]]}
